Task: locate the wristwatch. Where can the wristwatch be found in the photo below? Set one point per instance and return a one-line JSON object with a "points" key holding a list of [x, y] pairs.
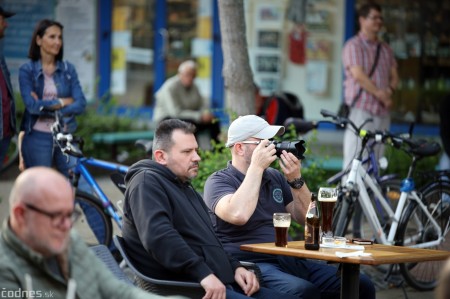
{"points": [[297, 183]]}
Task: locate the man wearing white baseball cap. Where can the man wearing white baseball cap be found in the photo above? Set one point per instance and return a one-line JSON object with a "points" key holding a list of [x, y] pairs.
{"points": [[248, 126], [243, 198]]}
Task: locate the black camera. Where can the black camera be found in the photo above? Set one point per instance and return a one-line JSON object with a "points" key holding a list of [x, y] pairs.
{"points": [[296, 147]]}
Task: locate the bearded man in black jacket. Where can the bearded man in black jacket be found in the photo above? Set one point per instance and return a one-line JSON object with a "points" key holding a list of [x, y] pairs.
{"points": [[167, 229]]}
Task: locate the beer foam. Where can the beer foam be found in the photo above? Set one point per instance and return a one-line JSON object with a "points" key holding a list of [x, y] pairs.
{"points": [[281, 223], [327, 194], [332, 199]]}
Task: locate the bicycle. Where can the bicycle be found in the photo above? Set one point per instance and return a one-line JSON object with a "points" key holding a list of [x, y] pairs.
{"points": [[389, 184], [95, 225], [407, 226]]}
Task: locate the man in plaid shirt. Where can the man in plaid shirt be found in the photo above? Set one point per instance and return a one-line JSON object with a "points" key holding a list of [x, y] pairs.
{"points": [[371, 94], [358, 58]]}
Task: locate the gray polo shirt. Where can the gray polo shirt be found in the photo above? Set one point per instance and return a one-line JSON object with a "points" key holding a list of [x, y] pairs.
{"points": [[274, 195]]}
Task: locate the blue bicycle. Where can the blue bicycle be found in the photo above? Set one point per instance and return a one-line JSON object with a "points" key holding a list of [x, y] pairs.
{"points": [[95, 225]]}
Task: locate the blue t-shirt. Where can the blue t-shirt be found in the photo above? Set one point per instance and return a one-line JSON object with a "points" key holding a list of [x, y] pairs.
{"points": [[274, 195]]}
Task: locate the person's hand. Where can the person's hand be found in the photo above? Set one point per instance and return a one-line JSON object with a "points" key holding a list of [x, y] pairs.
{"points": [[34, 96], [388, 103], [290, 165], [264, 154], [67, 101], [247, 280], [21, 163], [214, 288], [384, 96]]}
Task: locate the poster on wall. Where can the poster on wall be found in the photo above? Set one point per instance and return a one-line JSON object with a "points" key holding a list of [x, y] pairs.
{"points": [[121, 43], [269, 16], [266, 57], [317, 77], [268, 39], [318, 20], [266, 65], [267, 84], [318, 49]]}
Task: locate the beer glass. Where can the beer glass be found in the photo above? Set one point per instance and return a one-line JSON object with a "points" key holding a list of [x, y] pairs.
{"points": [[327, 198], [281, 223]]}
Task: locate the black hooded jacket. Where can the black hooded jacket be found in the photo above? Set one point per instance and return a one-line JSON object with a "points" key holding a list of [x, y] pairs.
{"points": [[167, 228]]}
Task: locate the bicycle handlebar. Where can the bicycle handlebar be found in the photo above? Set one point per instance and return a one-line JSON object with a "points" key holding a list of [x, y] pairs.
{"points": [[67, 147], [65, 141], [415, 147]]}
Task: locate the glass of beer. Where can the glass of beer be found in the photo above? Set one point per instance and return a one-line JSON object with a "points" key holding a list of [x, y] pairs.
{"points": [[327, 198], [281, 223]]}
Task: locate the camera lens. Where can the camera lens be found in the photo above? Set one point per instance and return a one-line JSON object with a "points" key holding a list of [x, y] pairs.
{"points": [[295, 147]]}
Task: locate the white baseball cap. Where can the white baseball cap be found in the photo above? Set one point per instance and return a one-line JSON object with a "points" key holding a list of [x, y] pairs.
{"points": [[248, 126]]}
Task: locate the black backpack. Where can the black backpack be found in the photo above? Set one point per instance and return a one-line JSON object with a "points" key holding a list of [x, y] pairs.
{"points": [[280, 106]]}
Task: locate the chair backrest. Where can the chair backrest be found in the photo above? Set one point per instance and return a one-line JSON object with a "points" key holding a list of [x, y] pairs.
{"points": [[159, 286], [103, 253]]}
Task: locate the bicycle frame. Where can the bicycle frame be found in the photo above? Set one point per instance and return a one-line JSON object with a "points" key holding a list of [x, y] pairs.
{"points": [[81, 169], [359, 177], [372, 169]]}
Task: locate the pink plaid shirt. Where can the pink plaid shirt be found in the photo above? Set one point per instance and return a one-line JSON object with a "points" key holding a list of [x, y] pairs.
{"points": [[359, 51]]}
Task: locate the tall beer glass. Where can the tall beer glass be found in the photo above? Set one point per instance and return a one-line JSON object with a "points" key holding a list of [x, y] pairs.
{"points": [[327, 198], [281, 223]]}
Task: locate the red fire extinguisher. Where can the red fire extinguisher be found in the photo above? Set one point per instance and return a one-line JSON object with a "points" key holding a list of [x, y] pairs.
{"points": [[297, 44]]}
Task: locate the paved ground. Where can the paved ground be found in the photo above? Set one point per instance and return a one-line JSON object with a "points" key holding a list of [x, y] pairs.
{"points": [[385, 290]]}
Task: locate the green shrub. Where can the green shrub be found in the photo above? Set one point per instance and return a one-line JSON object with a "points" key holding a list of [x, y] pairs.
{"points": [[399, 162], [103, 120]]}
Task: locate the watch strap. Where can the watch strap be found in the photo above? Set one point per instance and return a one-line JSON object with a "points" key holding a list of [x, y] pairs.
{"points": [[297, 183]]}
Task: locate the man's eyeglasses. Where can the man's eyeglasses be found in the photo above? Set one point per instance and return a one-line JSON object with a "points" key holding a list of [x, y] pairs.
{"points": [[374, 18], [56, 218], [251, 142]]}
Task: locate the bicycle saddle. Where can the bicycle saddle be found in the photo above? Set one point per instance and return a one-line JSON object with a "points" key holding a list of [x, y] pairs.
{"points": [[424, 148]]}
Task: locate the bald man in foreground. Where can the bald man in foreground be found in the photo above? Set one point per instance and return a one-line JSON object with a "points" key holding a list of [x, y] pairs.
{"points": [[39, 256]]}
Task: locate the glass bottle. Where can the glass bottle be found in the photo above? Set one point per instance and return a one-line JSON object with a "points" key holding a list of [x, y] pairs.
{"points": [[312, 224]]}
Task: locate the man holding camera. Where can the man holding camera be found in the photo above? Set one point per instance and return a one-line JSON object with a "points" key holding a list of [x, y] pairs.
{"points": [[243, 198]]}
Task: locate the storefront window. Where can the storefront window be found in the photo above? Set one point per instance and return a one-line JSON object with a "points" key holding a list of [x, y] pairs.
{"points": [[132, 77], [132, 53]]}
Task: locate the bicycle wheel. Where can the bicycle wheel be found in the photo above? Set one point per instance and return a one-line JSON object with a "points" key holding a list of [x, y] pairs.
{"points": [[342, 213], [94, 226], [417, 228], [11, 156]]}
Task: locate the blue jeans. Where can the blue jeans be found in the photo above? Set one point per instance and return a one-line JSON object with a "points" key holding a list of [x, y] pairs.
{"points": [[234, 291], [4, 144], [309, 279]]}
